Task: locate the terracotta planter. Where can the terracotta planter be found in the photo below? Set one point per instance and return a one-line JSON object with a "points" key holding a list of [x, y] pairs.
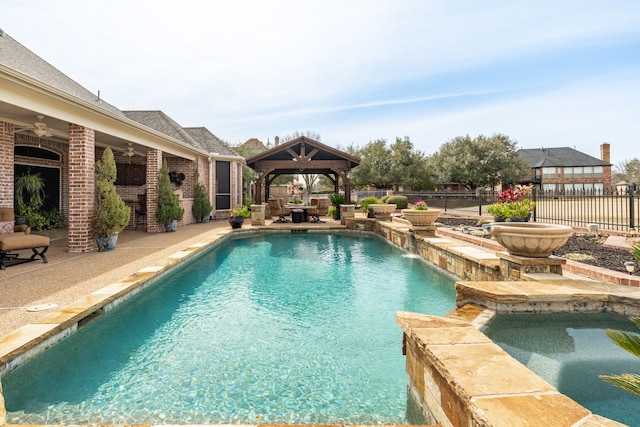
{"points": [[421, 218], [530, 239], [382, 211]]}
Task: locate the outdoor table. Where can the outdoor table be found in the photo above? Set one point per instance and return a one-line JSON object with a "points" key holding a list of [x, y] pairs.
{"points": [[305, 214]]}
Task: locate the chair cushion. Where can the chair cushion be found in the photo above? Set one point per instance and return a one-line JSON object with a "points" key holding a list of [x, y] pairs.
{"points": [[6, 227], [17, 241]]}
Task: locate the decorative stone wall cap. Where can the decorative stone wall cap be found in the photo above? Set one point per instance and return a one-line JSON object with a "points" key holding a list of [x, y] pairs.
{"points": [[258, 208], [409, 321]]}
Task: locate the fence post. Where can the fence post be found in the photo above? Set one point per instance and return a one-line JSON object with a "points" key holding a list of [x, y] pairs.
{"points": [[480, 194], [535, 200], [445, 200], [632, 192]]}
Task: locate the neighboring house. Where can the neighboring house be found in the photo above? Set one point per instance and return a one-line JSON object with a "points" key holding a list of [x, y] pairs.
{"points": [[568, 171], [52, 125]]}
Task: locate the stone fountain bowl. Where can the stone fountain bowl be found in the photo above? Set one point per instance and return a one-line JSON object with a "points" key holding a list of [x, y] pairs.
{"points": [[530, 239], [419, 217]]}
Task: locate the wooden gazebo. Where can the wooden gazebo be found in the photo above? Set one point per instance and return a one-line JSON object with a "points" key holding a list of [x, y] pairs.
{"points": [[302, 155]]}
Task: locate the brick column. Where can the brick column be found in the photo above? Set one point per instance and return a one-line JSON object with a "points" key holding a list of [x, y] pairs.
{"points": [[154, 163], [81, 188], [6, 164]]}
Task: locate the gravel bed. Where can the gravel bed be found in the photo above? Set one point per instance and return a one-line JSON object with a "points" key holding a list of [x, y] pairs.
{"points": [[585, 248]]}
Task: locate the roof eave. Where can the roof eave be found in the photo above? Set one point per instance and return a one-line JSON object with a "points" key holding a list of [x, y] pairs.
{"points": [[29, 93]]}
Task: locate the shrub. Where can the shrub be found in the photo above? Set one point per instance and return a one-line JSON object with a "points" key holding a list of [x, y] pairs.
{"points": [[243, 212], [401, 202], [168, 206], [385, 198], [370, 200], [111, 213], [201, 206]]}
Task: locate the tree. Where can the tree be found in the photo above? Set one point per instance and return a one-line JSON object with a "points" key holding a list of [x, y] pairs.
{"points": [[374, 167], [399, 165], [409, 167], [111, 213], [168, 209], [479, 162], [309, 134], [628, 170]]}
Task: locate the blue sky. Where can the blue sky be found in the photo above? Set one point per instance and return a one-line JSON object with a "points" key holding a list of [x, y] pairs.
{"points": [[545, 73]]}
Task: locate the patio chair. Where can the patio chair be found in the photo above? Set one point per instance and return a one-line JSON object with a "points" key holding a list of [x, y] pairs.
{"points": [[7, 224], [278, 209], [320, 208]]}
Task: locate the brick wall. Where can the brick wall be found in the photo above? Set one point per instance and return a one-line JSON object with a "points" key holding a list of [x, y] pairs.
{"points": [[81, 188], [154, 163], [77, 180], [6, 165]]}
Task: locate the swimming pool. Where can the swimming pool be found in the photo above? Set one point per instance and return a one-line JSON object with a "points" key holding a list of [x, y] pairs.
{"points": [[285, 328], [570, 350]]}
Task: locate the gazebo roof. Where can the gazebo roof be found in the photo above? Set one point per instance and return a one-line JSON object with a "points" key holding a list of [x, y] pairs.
{"points": [[302, 155]]}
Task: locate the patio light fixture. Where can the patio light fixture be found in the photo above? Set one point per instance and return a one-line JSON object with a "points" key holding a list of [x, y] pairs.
{"points": [[630, 266]]}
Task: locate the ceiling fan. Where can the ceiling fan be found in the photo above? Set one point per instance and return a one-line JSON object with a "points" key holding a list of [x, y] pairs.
{"points": [[39, 128], [129, 151]]}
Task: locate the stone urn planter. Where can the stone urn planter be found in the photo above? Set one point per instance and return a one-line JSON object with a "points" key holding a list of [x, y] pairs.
{"points": [[421, 217], [106, 243], [530, 239], [382, 211]]}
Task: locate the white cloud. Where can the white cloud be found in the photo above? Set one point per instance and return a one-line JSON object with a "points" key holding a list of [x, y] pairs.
{"points": [[353, 71]]}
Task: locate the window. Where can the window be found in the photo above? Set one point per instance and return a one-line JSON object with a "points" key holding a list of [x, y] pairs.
{"points": [[598, 187], [223, 185], [37, 152], [598, 172], [577, 172], [569, 189], [568, 172], [131, 174], [549, 188], [588, 171], [548, 172]]}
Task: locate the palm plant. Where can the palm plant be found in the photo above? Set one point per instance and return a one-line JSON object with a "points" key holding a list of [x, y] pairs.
{"points": [[629, 342]]}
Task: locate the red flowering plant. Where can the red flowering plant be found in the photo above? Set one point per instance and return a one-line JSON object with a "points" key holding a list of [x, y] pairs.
{"points": [[513, 204], [419, 205]]}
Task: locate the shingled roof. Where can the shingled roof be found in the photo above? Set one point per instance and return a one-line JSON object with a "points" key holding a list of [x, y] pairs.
{"points": [[18, 58], [15, 56], [159, 121], [209, 141], [558, 157]]}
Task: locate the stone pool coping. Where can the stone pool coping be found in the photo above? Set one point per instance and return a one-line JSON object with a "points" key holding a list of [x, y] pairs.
{"points": [[465, 379], [28, 340]]}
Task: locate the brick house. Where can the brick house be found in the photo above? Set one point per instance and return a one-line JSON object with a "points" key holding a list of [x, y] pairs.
{"points": [[565, 170], [51, 125]]}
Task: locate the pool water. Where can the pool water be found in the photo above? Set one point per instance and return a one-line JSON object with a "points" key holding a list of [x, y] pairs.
{"points": [[570, 351], [285, 328]]}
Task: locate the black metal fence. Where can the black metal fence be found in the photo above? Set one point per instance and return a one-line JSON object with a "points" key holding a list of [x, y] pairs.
{"points": [[614, 210]]}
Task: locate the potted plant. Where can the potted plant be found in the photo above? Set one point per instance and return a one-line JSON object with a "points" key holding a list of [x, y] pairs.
{"points": [[365, 202], [111, 215], [513, 205], [419, 214], [168, 211], [336, 199], [238, 215], [31, 186], [201, 207]]}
